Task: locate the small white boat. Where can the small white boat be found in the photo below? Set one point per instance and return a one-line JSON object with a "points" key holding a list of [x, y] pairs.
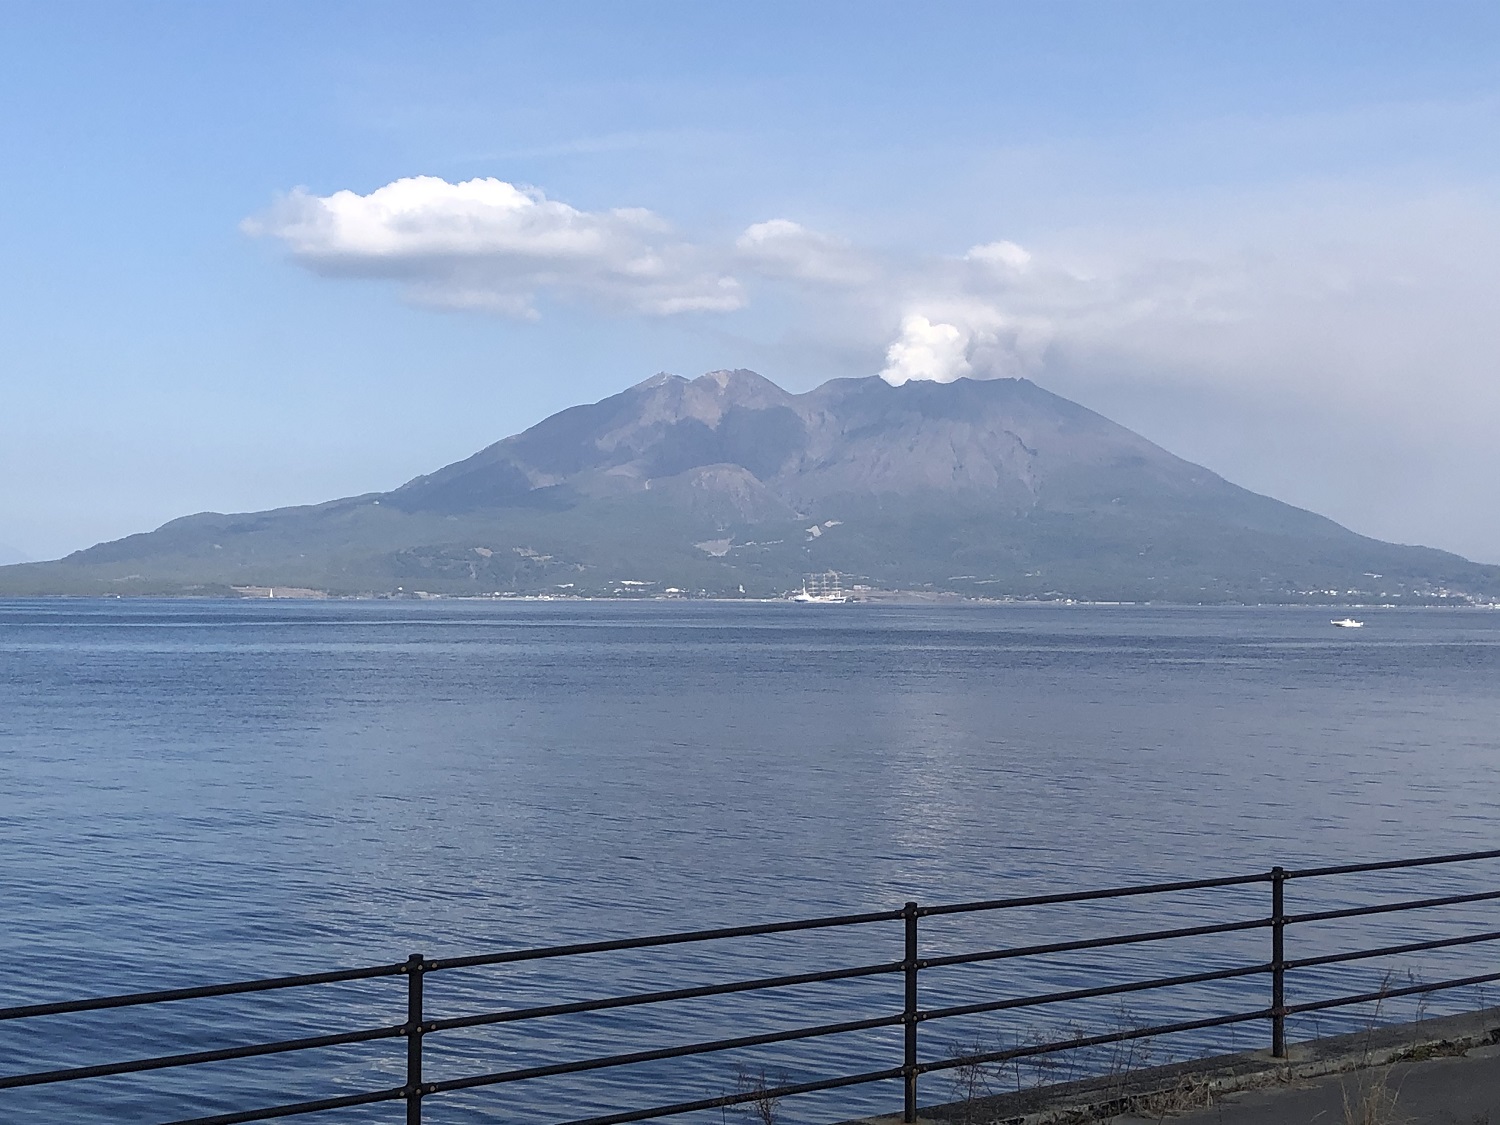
{"points": [[1347, 623]]}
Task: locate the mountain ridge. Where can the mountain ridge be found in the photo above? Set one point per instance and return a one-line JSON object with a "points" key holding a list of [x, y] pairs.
{"points": [[978, 487]]}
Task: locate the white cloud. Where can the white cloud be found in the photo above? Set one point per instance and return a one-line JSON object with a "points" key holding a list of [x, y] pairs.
{"points": [[489, 245], [783, 248], [925, 350], [1005, 255]]}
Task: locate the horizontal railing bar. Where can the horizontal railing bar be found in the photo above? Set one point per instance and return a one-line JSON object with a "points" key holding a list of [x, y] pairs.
{"points": [[161, 997], [726, 1100], [768, 928], [1391, 950], [1091, 1041], [1090, 993], [295, 1108], [164, 1062], [1390, 865], [1389, 994], [1391, 907], [1090, 943], [661, 997], [662, 1053], [336, 976], [1090, 896]]}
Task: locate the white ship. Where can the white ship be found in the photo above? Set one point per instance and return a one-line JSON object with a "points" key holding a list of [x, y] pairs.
{"points": [[822, 589], [1347, 623]]}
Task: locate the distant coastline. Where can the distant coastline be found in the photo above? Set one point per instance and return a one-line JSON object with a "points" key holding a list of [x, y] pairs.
{"points": [[873, 598]]}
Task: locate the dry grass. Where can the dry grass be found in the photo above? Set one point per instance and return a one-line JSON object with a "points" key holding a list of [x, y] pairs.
{"points": [[764, 1107], [970, 1081], [1188, 1094], [1371, 1102]]}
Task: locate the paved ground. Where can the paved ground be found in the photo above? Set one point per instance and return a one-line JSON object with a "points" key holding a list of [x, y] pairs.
{"points": [[1443, 1071], [1462, 1090]]}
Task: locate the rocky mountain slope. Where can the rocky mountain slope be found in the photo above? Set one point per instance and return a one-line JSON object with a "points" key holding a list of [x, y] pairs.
{"points": [[993, 488]]}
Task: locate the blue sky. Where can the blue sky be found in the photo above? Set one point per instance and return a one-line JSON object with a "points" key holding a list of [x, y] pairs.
{"points": [[1262, 234]]}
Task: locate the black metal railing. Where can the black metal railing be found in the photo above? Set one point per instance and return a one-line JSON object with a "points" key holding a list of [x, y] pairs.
{"points": [[418, 1024]]}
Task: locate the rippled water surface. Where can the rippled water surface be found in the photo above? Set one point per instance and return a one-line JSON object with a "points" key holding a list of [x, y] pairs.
{"points": [[198, 792]]}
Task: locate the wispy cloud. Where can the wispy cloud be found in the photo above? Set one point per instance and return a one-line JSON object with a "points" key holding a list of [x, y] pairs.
{"points": [[781, 248]]}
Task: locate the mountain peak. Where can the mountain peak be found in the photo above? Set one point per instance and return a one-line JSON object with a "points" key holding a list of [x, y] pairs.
{"points": [[740, 378], [660, 379], [741, 388], [727, 481]]}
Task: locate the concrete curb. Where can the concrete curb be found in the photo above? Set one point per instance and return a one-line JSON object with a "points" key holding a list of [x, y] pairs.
{"points": [[1181, 1086]]}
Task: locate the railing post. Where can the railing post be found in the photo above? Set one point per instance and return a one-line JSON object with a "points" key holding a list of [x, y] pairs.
{"points": [[415, 970], [909, 1015], [1278, 963]]}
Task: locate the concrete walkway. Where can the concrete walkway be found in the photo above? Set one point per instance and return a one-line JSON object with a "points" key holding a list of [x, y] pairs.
{"points": [[1454, 1090], [1442, 1071]]}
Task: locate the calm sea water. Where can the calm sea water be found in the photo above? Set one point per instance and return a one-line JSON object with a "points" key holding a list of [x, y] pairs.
{"points": [[195, 792]]}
